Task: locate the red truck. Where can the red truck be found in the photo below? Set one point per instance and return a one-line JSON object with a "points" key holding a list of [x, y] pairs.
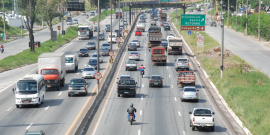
{"points": [[118, 14], [158, 56], [186, 78]]}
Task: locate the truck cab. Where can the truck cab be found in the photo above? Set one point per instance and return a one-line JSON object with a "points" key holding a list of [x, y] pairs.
{"points": [[158, 56], [85, 31], [72, 62]]}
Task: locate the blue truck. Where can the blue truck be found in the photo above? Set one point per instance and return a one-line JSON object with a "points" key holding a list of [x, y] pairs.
{"points": [[153, 12]]}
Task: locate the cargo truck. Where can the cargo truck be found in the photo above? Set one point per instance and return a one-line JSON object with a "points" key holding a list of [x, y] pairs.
{"points": [[154, 36], [153, 13], [85, 31], [158, 56], [53, 68], [163, 16], [175, 45]]}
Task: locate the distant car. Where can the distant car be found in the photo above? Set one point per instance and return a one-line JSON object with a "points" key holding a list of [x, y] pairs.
{"points": [[156, 18], [92, 13], [190, 93], [153, 23], [213, 24], [167, 27], [93, 63], [138, 33], [163, 24], [68, 19], [125, 23], [75, 21], [169, 36], [91, 45], [101, 37], [155, 80], [96, 29], [108, 29], [190, 10], [121, 27], [111, 39], [164, 44], [88, 72], [137, 42], [83, 52], [34, 133], [134, 56], [77, 86], [132, 46], [94, 56], [108, 25], [131, 64], [106, 45], [143, 20], [104, 51], [69, 22], [83, 13]]}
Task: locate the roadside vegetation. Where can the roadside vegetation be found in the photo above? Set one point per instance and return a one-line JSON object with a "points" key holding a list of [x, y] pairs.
{"points": [[245, 89], [26, 57], [103, 15]]}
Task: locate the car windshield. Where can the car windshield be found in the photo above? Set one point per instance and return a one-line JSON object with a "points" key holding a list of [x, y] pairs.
{"points": [[82, 29], [69, 59], [108, 25], [77, 82], [124, 77], [101, 35], [135, 40], [134, 53], [112, 36], [83, 50], [49, 72], [104, 49], [131, 62], [106, 45], [190, 90], [171, 35], [96, 27], [92, 61], [95, 55], [68, 18], [27, 85], [202, 112], [69, 21], [127, 82], [88, 69], [182, 60], [75, 20], [155, 77], [132, 44], [90, 43], [164, 39]]}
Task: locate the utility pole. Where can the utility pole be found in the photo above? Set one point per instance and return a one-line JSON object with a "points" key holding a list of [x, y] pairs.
{"points": [[4, 14], [246, 17], [119, 18], [176, 15], [222, 40], [62, 9], [236, 16], [111, 26], [98, 48], [228, 22], [126, 14], [259, 19], [123, 15]]}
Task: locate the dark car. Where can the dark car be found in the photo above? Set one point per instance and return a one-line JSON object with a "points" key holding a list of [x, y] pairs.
{"points": [[101, 37], [91, 45], [83, 52], [77, 86], [104, 51], [96, 29], [108, 29], [167, 27], [164, 44], [213, 24], [132, 46], [155, 80], [34, 132], [93, 63], [124, 77]]}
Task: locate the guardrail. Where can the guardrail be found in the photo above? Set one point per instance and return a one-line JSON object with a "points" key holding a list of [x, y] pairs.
{"points": [[91, 106]]}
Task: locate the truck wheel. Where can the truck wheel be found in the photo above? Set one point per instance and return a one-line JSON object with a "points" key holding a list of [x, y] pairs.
{"points": [[17, 106], [69, 95], [118, 95], [193, 128], [212, 128]]}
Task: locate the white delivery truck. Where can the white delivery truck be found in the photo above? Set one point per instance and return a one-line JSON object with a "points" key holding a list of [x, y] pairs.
{"points": [[12, 21], [72, 62], [85, 31], [53, 68], [30, 90]]}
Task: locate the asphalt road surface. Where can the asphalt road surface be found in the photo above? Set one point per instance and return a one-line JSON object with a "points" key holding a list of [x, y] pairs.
{"points": [[159, 110]]}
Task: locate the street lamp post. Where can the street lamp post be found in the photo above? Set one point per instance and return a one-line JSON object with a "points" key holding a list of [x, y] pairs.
{"points": [[259, 21], [222, 41], [228, 13], [4, 14], [119, 18], [111, 27], [98, 47]]}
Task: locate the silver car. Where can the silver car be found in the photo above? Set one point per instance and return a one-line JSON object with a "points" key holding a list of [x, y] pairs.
{"points": [[190, 93], [88, 72], [75, 21], [69, 22], [134, 56], [92, 13], [91, 45], [137, 42], [94, 56], [83, 13], [104, 51], [106, 45]]}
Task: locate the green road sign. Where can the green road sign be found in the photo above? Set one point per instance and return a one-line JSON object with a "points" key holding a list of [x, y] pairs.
{"points": [[192, 20], [164, 0]]}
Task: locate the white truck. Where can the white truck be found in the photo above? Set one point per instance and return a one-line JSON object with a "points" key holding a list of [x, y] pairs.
{"points": [[202, 118], [30, 90], [12, 21], [85, 32], [175, 45], [72, 62], [141, 26], [53, 68]]}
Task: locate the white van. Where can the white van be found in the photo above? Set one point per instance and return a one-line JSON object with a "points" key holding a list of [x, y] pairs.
{"points": [[71, 62], [30, 90]]}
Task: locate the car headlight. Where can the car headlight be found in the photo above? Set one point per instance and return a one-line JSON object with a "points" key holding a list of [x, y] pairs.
{"points": [[82, 88], [70, 88]]}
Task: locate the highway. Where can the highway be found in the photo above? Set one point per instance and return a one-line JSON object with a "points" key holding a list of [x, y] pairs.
{"points": [[159, 110], [58, 112]]}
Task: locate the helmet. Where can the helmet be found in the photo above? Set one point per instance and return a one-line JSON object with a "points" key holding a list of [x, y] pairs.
{"points": [[142, 64], [131, 105]]}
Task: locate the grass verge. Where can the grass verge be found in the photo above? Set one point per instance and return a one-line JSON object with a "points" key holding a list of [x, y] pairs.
{"points": [[245, 89], [26, 57], [103, 15]]}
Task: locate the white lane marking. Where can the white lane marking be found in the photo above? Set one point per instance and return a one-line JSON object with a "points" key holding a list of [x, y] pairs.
{"points": [[47, 108], [9, 109], [139, 132], [29, 126], [172, 86], [142, 98], [59, 93], [144, 54], [179, 113], [141, 112], [175, 99], [84, 64], [169, 75], [142, 85], [167, 67], [77, 73], [184, 133]]}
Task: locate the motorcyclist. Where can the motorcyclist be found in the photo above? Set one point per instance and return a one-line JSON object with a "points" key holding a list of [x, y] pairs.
{"points": [[2, 48], [131, 110], [87, 16], [142, 68], [94, 21]]}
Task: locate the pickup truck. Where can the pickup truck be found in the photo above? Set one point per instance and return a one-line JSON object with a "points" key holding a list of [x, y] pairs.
{"points": [[186, 78], [175, 45], [182, 64], [158, 56], [126, 87], [131, 64], [202, 118]]}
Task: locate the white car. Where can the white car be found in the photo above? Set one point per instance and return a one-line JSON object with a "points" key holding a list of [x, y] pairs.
{"points": [[169, 36], [125, 23], [134, 56], [190, 93], [202, 118], [88, 72], [83, 13], [137, 42], [94, 56], [92, 13], [113, 38]]}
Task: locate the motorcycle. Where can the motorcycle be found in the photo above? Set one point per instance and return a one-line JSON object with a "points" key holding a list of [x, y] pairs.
{"points": [[87, 17], [2, 50], [142, 74], [131, 119]]}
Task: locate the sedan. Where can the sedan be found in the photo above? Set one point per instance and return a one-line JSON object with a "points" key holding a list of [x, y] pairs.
{"points": [[104, 51], [92, 13], [132, 46], [91, 45], [83, 52], [108, 29], [131, 64], [156, 18], [106, 45], [125, 23], [69, 22], [94, 56], [75, 21], [190, 93], [101, 37], [134, 56], [138, 33], [166, 27], [93, 63], [137, 42], [77, 86], [83, 13], [155, 80], [88, 72]]}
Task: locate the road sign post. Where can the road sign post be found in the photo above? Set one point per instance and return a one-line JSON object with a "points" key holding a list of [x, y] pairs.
{"points": [[195, 22], [98, 75], [119, 39], [200, 41], [111, 53], [189, 32]]}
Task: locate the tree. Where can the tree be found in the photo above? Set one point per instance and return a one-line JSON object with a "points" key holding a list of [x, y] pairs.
{"points": [[29, 8], [102, 3]]}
